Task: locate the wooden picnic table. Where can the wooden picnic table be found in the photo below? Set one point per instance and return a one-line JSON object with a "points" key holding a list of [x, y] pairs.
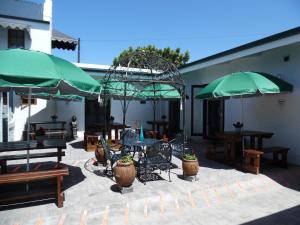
{"points": [[233, 142], [156, 125], [16, 146], [110, 127]]}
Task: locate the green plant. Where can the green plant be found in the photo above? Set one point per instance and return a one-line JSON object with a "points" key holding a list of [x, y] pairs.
{"points": [[126, 159], [189, 157]]}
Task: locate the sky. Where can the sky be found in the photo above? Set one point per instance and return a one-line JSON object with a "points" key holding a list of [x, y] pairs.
{"points": [[203, 27]]}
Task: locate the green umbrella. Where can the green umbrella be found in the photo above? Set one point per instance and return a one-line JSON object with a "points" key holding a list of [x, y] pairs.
{"points": [[26, 71], [116, 89], [120, 90], [243, 84], [159, 91], [56, 96], [23, 69]]}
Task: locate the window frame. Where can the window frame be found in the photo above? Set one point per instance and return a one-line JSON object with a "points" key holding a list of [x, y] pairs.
{"points": [[15, 38]]}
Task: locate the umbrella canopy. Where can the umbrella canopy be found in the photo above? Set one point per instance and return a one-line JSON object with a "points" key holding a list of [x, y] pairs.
{"points": [[159, 91], [116, 89], [244, 84], [56, 96], [23, 69]]}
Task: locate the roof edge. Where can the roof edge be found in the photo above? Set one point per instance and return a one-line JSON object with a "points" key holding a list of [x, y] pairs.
{"points": [[246, 46]]}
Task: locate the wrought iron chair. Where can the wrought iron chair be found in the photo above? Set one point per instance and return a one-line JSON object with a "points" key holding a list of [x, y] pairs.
{"points": [[127, 137], [112, 156], [157, 156], [177, 146]]}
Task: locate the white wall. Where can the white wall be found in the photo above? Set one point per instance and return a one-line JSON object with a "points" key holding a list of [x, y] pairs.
{"points": [[137, 113], [261, 113]]}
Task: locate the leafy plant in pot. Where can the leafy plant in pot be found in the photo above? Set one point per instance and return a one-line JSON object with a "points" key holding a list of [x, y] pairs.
{"points": [[190, 165], [54, 117], [124, 171], [40, 136]]}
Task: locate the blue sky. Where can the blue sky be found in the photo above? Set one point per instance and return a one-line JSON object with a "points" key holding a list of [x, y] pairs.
{"points": [[203, 27]]}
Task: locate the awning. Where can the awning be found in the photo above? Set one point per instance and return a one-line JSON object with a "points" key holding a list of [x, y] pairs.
{"points": [[63, 41], [14, 25]]}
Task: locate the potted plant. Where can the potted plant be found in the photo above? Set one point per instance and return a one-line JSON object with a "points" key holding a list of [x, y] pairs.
{"points": [[190, 165], [40, 135], [124, 171], [238, 126], [111, 119], [54, 117]]}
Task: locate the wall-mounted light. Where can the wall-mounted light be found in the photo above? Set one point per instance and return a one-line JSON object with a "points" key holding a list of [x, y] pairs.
{"points": [[281, 101], [286, 58]]}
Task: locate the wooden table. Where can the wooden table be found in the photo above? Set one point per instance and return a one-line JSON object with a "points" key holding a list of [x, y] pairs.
{"points": [[56, 131], [111, 126], [233, 142], [158, 124], [59, 144]]}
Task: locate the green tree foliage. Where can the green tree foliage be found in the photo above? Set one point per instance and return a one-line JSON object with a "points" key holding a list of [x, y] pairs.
{"points": [[173, 56]]}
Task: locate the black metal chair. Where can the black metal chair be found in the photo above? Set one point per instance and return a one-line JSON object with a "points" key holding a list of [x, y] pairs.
{"points": [[127, 137], [177, 146], [111, 156], [157, 156]]}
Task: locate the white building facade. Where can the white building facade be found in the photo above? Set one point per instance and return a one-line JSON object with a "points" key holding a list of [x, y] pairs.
{"points": [[278, 55]]}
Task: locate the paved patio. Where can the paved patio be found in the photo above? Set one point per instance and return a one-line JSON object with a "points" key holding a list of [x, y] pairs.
{"points": [[222, 195]]}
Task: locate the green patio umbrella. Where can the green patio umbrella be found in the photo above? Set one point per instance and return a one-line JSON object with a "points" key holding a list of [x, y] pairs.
{"points": [[159, 91], [22, 70], [32, 71], [57, 96], [244, 84], [120, 90], [116, 89]]}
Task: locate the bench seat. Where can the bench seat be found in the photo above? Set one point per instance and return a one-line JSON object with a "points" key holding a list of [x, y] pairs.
{"points": [[278, 152], [24, 177]]}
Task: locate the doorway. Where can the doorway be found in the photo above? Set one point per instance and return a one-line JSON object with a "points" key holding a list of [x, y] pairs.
{"points": [[96, 113], [174, 118], [213, 117], [207, 116]]}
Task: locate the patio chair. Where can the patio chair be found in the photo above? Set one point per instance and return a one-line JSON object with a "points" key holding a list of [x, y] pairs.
{"points": [[157, 156], [130, 134], [177, 146], [112, 156]]}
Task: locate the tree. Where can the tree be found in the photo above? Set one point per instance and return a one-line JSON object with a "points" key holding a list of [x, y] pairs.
{"points": [[173, 56]]}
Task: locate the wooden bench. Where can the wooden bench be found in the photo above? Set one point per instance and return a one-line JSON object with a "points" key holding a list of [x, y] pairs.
{"points": [[278, 151], [25, 177], [4, 159]]}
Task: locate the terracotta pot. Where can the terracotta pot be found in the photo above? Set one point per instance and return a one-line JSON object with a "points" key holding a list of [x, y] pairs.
{"points": [[124, 174], [100, 154], [190, 167]]}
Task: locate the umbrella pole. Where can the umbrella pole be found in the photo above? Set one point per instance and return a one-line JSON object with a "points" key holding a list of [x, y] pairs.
{"points": [[243, 144], [183, 120], [154, 117], [28, 133], [28, 127]]}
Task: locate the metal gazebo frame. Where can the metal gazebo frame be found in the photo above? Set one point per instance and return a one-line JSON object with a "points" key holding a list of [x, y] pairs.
{"points": [[142, 69]]}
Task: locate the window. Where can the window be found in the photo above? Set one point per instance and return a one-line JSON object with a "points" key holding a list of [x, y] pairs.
{"points": [[24, 101], [16, 38]]}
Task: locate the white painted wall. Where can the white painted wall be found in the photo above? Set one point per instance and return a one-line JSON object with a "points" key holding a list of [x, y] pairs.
{"points": [[261, 113]]}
